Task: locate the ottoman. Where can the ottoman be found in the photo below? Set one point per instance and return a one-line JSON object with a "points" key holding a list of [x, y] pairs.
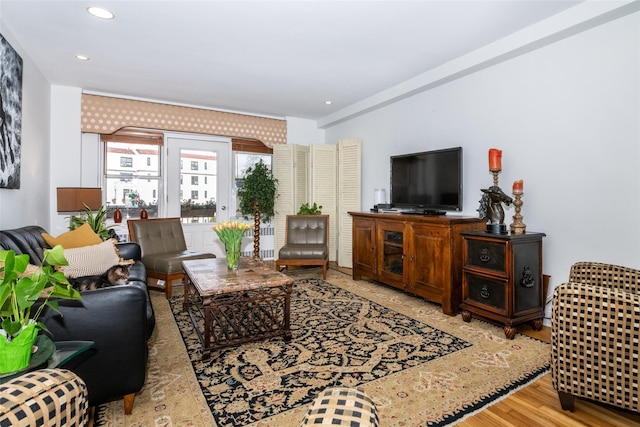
{"points": [[339, 406]]}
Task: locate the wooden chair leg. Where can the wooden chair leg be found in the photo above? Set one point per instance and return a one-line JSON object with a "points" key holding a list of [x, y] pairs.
{"points": [[168, 288], [324, 272], [128, 403], [566, 401]]}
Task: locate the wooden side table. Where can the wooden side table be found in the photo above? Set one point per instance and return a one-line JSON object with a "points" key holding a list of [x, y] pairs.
{"points": [[502, 279]]}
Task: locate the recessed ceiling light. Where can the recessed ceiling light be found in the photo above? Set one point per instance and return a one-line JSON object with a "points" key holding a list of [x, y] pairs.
{"points": [[100, 12], [328, 102], [82, 57]]}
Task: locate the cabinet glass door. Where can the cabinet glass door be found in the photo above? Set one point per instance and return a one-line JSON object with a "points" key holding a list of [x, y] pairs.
{"points": [[393, 252]]}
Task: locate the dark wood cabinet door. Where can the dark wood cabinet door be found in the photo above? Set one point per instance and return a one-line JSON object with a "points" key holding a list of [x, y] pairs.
{"points": [[364, 248], [392, 245], [430, 260]]}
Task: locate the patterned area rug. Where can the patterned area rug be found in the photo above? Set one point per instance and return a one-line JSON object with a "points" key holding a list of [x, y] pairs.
{"points": [[421, 367]]}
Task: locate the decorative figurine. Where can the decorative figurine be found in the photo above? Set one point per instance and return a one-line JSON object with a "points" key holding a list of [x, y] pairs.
{"points": [[491, 209]]}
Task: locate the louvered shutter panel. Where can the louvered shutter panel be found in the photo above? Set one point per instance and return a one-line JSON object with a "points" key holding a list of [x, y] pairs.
{"points": [[349, 195], [323, 161], [290, 168], [283, 171], [301, 176]]}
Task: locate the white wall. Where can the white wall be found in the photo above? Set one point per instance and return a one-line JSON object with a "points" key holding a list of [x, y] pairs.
{"points": [[303, 132], [567, 117], [30, 203]]}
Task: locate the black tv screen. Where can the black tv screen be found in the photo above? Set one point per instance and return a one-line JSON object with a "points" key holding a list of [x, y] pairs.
{"points": [[427, 180]]}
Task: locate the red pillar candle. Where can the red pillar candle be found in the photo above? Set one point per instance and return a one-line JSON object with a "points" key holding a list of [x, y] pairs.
{"points": [[495, 159], [518, 186]]}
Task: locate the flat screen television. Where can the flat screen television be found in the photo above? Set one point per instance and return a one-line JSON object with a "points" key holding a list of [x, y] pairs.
{"points": [[430, 180]]}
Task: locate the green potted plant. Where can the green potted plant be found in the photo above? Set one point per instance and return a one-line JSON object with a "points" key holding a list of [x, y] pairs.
{"points": [[18, 294], [305, 209], [257, 197], [96, 221]]}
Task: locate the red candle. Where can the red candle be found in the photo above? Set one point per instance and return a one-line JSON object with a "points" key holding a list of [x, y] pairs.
{"points": [[518, 186], [495, 159]]}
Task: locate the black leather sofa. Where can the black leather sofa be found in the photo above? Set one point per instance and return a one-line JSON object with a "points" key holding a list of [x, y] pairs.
{"points": [[118, 319]]}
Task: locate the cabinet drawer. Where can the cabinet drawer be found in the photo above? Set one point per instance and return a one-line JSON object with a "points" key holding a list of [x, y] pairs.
{"points": [[486, 291], [490, 255]]}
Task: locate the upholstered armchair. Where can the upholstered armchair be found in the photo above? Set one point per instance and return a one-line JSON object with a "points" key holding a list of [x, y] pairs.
{"points": [[163, 248], [595, 335]]}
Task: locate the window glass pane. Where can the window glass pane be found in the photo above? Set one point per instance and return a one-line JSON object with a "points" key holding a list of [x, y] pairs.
{"points": [[132, 178], [200, 185], [242, 161]]}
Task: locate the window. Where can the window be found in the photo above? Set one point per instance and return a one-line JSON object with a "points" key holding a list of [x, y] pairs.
{"points": [[205, 179], [194, 165], [194, 180], [132, 172], [194, 194]]}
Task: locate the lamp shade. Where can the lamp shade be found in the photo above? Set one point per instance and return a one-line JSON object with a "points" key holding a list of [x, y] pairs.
{"points": [[74, 199]]}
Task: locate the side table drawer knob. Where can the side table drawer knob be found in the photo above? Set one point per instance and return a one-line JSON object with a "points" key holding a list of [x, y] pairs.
{"points": [[484, 293], [485, 255]]}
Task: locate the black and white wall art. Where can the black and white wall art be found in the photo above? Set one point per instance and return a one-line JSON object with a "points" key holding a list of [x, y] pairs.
{"points": [[10, 115]]}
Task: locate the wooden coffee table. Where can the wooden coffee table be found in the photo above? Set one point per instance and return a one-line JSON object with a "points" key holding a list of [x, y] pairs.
{"points": [[230, 307]]}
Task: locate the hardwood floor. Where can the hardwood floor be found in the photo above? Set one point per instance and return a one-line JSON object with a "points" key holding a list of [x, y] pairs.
{"points": [[538, 404]]}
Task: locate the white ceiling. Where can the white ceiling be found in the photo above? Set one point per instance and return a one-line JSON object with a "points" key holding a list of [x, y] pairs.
{"points": [[273, 58]]}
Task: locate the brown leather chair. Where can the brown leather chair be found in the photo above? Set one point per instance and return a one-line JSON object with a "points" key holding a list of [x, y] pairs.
{"points": [[163, 248], [306, 242]]}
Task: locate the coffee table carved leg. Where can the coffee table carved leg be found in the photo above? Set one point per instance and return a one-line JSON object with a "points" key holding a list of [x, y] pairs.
{"points": [[185, 285], [466, 316], [287, 312], [206, 345]]}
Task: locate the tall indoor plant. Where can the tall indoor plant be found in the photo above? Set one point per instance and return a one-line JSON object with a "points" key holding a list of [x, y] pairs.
{"points": [[257, 197], [18, 295]]}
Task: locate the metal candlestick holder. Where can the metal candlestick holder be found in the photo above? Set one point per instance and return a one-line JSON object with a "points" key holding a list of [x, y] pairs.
{"points": [[495, 173], [517, 226]]}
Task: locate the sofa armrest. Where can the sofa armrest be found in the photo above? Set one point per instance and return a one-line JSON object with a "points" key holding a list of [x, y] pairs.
{"points": [[594, 335], [129, 250], [115, 319]]}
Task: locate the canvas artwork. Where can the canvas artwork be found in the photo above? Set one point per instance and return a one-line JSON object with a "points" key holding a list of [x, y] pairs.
{"points": [[10, 115]]}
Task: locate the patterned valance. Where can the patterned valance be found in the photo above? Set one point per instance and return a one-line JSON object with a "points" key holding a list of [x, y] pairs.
{"points": [[105, 115]]}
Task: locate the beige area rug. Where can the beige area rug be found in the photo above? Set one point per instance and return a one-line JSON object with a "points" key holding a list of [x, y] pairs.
{"points": [[480, 368]]}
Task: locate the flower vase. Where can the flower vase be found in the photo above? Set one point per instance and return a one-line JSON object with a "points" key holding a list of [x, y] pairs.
{"points": [[117, 216], [16, 354], [233, 254]]}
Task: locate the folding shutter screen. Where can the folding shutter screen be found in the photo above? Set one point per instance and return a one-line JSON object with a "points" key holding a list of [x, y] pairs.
{"points": [[290, 169], [323, 187], [349, 196]]}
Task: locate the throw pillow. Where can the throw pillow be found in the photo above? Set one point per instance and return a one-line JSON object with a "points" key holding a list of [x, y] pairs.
{"points": [[90, 260], [81, 236]]}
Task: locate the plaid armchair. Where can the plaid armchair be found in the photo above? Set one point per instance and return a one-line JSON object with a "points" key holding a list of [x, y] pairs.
{"points": [[595, 334]]}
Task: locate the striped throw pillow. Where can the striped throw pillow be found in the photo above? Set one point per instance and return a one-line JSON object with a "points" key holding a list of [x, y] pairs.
{"points": [[91, 260]]}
